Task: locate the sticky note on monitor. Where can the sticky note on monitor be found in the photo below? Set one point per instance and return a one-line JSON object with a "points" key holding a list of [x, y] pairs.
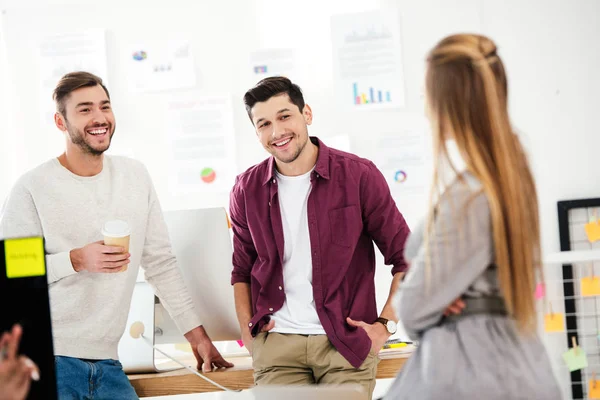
{"points": [[554, 323], [594, 389], [575, 359], [590, 286], [592, 230], [24, 257]]}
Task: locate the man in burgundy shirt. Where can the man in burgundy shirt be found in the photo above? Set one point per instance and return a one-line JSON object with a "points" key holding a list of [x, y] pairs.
{"points": [[304, 223]]}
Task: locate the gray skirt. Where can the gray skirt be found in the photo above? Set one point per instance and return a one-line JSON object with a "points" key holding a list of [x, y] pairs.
{"points": [[477, 357]]}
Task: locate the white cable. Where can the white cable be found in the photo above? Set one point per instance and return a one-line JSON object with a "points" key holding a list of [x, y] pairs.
{"points": [[137, 330]]}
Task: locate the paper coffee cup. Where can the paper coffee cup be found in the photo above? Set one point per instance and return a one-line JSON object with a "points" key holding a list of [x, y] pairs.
{"points": [[117, 233]]}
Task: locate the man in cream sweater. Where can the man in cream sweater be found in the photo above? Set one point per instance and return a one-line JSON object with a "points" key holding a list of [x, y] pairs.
{"points": [[67, 200]]}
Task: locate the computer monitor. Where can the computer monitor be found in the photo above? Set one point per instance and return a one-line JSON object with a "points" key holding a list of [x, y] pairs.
{"points": [[201, 242], [24, 300]]}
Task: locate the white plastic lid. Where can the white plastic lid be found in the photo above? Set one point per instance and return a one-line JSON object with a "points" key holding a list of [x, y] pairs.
{"points": [[116, 228]]}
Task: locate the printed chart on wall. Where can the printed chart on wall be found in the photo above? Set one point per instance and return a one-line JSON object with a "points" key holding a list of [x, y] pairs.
{"points": [[367, 60], [404, 161], [201, 144], [61, 53], [156, 65], [271, 62]]}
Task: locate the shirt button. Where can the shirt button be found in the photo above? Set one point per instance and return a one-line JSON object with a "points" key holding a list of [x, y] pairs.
{"points": [[269, 204], [274, 181], [270, 309], [250, 324], [280, 288]]}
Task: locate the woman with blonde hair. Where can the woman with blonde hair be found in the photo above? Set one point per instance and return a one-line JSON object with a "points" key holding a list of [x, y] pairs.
{"points": [[480, 244]]}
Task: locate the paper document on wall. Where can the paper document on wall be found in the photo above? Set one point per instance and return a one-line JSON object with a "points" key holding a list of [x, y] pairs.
{"points": [[61, 53], [271, 62], [403, 159], [157, 65], [201, 144], [402, 162], [367, 59]]}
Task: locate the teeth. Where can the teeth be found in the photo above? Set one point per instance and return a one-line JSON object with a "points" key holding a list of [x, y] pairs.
{"points": [[283, 143], [97, 131]]}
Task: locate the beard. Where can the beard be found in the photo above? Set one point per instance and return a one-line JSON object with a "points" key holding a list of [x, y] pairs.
{"points": [[80, 139], [300, 145]]}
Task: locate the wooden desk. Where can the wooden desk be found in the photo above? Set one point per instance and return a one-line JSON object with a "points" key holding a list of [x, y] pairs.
{"points": [[239, 377]]}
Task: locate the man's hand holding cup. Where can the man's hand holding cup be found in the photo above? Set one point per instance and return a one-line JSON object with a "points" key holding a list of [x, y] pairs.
{"points": [[110, 255]]}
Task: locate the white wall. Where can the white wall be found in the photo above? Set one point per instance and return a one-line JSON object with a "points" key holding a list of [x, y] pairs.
{"points": [[549, 46]]}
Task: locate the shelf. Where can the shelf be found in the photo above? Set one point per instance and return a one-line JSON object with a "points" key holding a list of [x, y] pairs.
{"points": [[569, 257]]}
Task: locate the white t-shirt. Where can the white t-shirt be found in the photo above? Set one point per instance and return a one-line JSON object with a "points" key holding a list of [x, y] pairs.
{"points": [[298, 313]]}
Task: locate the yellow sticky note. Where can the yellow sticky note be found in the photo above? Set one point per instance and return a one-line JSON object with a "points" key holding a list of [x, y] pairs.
{"points": [[592, 230], [554, 323], [24, 257], [594, 389], [590, 286]]}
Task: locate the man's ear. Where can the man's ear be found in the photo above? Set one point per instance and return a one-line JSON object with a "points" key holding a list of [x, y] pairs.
{"points": [[60, 121], [307, 113]]}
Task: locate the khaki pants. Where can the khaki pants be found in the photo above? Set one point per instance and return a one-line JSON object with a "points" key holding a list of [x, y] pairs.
{"points": [[287, 359]]}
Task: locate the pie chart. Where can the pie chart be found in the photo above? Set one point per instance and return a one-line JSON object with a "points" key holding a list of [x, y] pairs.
{"points": [[140, 55], [208, 175], [400, 176]]}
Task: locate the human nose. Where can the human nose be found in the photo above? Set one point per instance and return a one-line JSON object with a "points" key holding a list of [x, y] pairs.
{"points": [[98, 117], [279, 130]]}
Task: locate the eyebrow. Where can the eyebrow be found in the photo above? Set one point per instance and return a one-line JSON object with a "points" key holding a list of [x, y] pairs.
{"points": [[278, 112], [91, 103]]}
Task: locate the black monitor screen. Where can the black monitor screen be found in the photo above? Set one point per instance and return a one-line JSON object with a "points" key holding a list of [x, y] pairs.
{"points": [[24, 300]]}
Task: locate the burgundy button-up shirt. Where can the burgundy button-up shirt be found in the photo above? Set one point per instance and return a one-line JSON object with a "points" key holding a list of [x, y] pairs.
{"points": [[349, 208]]}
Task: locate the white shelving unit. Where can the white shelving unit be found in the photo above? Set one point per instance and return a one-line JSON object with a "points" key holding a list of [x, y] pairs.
{"points": [[570, 257]]}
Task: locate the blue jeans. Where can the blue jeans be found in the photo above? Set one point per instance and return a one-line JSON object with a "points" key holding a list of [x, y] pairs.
{"points": [[79, 379]]}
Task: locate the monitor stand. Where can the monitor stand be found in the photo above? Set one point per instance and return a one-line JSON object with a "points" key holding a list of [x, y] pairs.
{"points": [[136, 355]]}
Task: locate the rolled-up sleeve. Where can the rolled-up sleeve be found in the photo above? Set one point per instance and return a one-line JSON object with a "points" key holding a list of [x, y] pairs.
{"points": [[244, 252]]}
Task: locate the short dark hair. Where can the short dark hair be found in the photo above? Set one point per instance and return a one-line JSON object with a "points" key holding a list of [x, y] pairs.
{"points": [[273, 86], [71, 82]]}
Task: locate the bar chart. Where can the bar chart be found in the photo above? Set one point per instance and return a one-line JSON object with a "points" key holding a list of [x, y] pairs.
{"points": [[370, 96], [367, 60]]}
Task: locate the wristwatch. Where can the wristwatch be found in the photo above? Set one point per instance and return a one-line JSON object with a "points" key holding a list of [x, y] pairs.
{"points": [[389, 325]]}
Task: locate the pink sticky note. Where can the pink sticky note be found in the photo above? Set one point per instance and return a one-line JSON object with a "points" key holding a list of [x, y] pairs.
{"points": [[240, 343], [540, 291]]}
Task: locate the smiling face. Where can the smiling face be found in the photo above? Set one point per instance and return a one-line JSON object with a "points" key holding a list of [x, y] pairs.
{"points": [[88, 120], [281, 127]]}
